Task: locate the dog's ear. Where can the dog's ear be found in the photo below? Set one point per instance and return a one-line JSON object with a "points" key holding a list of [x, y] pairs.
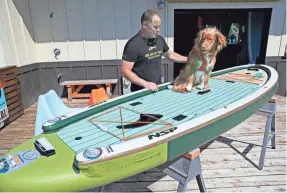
{"points": [[198, 38], [221, 41]]}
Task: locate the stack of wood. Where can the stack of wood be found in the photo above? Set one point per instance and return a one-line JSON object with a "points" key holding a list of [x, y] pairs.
{"points": [[12, 93]]}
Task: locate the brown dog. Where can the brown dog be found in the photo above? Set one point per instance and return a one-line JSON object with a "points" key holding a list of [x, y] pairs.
{"points": [[201, 60]]}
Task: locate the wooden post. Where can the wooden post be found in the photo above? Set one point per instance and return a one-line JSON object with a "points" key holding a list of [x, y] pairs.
{"points": [[69, 88], [108, 89]]}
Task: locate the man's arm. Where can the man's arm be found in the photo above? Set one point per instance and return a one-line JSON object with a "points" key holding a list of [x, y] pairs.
{"points": [[128, 60], [131, 76], [128, 74], [175, 57]]}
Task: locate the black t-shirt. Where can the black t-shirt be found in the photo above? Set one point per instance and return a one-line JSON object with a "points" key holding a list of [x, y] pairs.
{"points": [[146, 57]]}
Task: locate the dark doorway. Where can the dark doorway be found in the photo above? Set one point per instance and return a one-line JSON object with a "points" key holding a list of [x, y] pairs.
{"points": [[233, 23]]}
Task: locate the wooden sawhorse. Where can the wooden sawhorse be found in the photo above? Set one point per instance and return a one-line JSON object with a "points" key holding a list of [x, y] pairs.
{"points": [[268, 110], [183, 170]]}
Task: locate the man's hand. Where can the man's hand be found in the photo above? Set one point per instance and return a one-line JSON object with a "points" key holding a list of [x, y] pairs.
{"points": [[128, 74], [175, 57], [150, 85]]}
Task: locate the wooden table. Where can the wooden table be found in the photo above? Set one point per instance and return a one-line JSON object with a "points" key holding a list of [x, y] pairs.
{"points": [[75, 86]]}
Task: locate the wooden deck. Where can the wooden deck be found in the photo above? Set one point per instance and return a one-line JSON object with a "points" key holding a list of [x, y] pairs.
{"points": [[229, 163]]}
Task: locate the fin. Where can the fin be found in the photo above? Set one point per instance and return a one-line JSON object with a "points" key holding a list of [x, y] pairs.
{"points": [[144, 119]]}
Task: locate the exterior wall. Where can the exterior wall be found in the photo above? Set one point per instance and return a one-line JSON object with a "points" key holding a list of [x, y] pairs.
{"points": [[279, 64], [2, 56], [16, 38], [85, 29], [39, 78], [30, 30], [283, 44]]}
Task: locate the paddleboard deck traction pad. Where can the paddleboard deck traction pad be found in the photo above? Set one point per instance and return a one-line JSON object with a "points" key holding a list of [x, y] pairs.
{"points": [[145, 118]]}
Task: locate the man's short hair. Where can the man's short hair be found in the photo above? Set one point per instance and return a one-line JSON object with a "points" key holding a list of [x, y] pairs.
{"points": [[147, 16]]}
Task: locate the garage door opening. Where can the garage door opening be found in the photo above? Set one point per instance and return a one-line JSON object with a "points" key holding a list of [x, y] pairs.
{"points": [[246, 31]]}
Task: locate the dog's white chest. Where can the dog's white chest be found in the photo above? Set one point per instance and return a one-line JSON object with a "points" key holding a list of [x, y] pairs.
{"points": [[209, 64]]}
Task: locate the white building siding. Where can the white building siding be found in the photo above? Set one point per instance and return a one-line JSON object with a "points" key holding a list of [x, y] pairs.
{"points": [[22, 8], [98, 29], [17, 31], [7, 38], [42, 29], [86, 29], [2, 56], [91, 25], [17, 43], [283, 43], [59, 29], [107, 29]]}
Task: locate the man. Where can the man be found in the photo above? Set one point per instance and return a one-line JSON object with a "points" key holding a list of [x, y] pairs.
{"points": [[141, 60]]}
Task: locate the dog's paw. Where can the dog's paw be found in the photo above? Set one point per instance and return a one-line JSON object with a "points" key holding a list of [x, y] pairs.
{"points": [[200, 87], [189, 88], [170, 87], [179, 88]]}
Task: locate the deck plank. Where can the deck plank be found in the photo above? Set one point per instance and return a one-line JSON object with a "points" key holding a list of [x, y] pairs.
{"points": [[228, 162]]}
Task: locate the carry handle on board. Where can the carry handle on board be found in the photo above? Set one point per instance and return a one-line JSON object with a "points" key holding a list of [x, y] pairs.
{"points": [[253, 69], [203, 91]]}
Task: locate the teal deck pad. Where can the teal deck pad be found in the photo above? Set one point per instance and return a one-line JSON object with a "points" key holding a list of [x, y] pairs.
{"points": [[166, 102]]}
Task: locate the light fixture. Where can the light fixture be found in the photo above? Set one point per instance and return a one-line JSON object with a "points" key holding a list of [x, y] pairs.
{"points": [[161, 4], [57, 52]]}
